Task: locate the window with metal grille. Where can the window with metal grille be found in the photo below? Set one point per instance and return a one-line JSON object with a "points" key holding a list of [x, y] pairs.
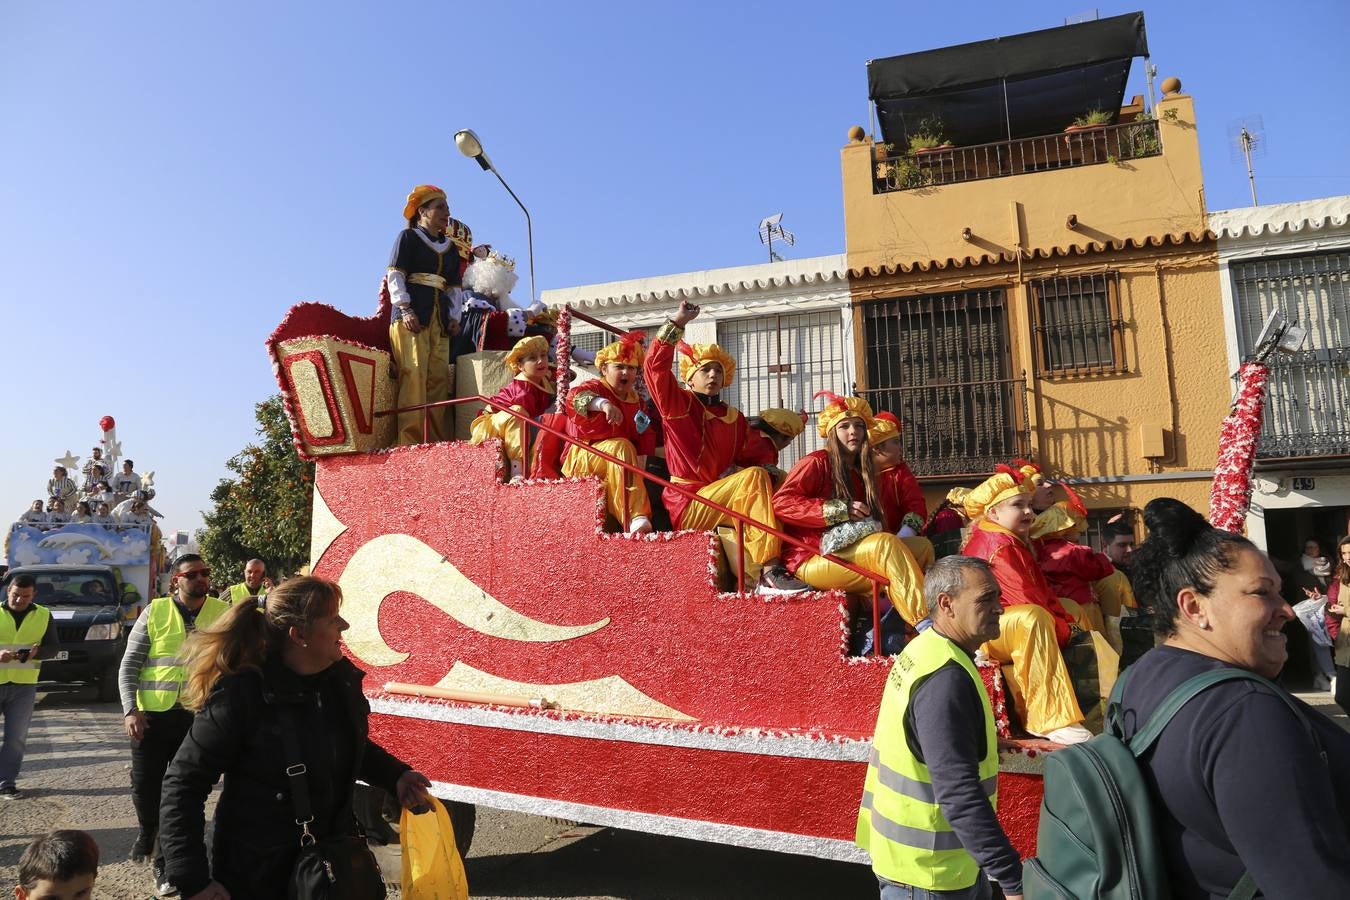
{"points": [[1078, 324], [940, 363], [782, 360], [591, 340], [1309, 390]]}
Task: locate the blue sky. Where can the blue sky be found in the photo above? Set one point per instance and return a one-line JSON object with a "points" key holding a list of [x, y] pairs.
{"points": [[173, 176]]}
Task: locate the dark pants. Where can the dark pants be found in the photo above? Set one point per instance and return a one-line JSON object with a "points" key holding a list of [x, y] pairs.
{"points": [[1343, 688], [150, 758]]}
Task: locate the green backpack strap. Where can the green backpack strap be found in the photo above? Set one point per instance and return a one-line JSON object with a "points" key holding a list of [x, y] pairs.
{"points": [[1245, 889]]}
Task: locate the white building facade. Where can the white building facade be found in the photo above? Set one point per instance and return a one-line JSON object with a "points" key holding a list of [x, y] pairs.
{"points": [[789, 326], [1294, 257]]}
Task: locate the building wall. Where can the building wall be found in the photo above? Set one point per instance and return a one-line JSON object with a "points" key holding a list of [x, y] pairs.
{"points": [[1142, 219]]}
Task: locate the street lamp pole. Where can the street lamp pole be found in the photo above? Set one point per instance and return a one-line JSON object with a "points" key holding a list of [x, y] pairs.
{"points": [[469, 144]]}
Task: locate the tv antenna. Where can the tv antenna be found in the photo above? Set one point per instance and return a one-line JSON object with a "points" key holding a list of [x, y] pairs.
{"points": [[771, 228], [1248, 137]]}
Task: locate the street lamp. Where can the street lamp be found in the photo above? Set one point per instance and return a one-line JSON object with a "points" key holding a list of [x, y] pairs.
{"points": [[469, 144]]}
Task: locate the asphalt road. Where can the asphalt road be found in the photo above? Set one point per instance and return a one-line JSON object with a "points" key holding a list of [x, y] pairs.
{"points": [[77, 775]]}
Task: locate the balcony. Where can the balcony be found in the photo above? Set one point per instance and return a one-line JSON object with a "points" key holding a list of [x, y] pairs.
{"points": [[1091, 146], [1306, 414]]}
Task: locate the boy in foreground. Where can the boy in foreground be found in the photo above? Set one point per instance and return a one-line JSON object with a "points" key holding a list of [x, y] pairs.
{"points": [[60, 865]]}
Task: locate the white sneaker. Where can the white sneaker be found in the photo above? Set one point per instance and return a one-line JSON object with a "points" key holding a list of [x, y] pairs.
{"points": [[1069, 734], [640, 525]]}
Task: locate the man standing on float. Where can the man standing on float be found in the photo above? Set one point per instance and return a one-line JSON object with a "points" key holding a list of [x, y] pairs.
{"points": [[706, 446], [424, 270]]}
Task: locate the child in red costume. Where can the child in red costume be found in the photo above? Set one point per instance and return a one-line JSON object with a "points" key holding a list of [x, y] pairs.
{"points": [[608, 413], [903, 508], [707, 447], [1070, 567], [530, 392], [812, 500], [1034, 625]]}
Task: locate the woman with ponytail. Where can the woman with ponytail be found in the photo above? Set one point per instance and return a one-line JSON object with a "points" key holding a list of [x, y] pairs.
{"points": [[1244, 777], [832, 491], [253, 676]]}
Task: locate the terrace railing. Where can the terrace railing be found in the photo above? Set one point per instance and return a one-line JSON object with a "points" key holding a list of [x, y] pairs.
{"points": [[1088, 146]]}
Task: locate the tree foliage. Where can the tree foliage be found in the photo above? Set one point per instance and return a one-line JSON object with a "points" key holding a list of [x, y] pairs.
{"points": [[264, 510]]}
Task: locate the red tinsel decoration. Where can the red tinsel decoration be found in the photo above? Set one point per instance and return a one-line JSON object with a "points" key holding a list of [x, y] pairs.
{"points": [[1231, 494], [563, 376]]}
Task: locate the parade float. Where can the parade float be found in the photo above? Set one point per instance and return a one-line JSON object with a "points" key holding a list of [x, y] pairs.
{"points": [[95, 576], [526, 659]]}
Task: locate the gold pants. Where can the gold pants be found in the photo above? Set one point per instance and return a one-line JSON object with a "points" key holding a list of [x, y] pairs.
{"points": [[577, 463], [921, 548], [1041, 688], [1114, 592], [748, 492], [884, 554], [423, 361], [504, 426], [1082, 617]]}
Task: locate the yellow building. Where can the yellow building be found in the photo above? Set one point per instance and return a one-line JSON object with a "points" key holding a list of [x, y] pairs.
{"points": [[1020, 289]]}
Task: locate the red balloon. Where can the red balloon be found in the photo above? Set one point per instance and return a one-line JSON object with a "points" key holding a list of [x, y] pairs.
{"points": [[106, 423]]}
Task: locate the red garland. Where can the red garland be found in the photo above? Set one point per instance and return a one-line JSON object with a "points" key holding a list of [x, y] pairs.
{"points": [[563, 376], [1231, 494]]}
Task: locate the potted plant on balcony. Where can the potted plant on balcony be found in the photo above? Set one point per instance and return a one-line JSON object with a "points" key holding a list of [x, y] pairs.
{"points": [[928, 137]]}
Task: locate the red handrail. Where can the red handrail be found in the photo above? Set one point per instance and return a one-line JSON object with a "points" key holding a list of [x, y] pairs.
{"points": [[740, 519]]}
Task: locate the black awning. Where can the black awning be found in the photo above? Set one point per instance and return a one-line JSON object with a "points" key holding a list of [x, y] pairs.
{"points": [[1050, 76]]}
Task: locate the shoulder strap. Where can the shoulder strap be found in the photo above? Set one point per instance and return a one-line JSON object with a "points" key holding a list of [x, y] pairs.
{"points": [[295, 773], [1245, 889]]}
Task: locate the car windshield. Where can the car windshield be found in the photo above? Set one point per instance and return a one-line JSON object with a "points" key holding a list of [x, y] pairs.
{"points": [[94, 588]]}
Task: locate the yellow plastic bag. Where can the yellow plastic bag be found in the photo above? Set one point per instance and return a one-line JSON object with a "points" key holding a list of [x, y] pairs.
{"points": [[432, 869]]}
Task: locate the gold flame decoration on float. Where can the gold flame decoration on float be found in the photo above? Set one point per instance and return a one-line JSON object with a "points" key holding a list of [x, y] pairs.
{"points": [[393, 563]]}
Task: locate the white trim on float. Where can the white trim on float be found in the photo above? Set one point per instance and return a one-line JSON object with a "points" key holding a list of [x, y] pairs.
{"points": [[651, 823]]}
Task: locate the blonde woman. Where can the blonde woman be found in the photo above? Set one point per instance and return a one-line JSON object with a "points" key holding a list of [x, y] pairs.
{"points": [[252, 677]]}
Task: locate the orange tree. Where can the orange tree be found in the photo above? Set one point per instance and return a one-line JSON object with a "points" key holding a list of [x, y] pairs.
{"points": [[263, 510]]}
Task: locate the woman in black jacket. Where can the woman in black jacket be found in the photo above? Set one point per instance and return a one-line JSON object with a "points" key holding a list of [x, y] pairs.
{"points": [[247, 676], [1244, 778]]}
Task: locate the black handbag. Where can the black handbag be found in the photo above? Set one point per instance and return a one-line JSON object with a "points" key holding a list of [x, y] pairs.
{"points": [[336, 868]]}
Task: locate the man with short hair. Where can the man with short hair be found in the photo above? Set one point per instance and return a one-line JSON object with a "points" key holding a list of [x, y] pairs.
{"points": [[126, 482], [928, 815], [26, 637], [255, 584], [1115, 593], [150, 679]]}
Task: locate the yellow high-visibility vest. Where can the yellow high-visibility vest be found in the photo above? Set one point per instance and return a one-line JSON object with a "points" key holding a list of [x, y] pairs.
{"points": [[22, 637], [162, 674], [900, 823], [238, 592]]}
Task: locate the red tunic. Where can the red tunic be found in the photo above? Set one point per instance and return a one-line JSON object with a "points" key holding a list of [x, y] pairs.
{"points": [[800, 505], [900, 494], [1071, 568], [703, 442], [1015, 569], [594, 427], [519, 391]]}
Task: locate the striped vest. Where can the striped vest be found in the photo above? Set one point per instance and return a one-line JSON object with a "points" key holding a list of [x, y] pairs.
{"points": [[900, 823], [162, 674]]}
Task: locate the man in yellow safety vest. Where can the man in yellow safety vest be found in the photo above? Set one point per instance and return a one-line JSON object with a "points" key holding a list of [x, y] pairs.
{"points": [[150, 678], [255, 584], [928, 815], [26, 636]]}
